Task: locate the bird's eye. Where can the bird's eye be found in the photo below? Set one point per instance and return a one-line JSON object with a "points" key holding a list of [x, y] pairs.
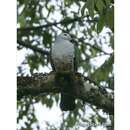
{"points": [[65, 34]]}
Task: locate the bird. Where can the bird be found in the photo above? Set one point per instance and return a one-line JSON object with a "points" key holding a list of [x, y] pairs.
{"points": [[63, 63]]}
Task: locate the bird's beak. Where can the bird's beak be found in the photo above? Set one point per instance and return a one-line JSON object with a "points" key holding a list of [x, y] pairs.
{"points": [[72, 40]]}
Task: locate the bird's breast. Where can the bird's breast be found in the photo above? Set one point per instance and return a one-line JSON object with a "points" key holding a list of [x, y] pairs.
{"points": [[63, 55]]}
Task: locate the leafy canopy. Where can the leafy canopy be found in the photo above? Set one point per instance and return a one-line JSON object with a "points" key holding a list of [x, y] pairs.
{"points": [[91, 24]]}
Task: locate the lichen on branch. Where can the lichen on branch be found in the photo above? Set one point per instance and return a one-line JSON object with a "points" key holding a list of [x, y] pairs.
{"points": [[40, 83]]}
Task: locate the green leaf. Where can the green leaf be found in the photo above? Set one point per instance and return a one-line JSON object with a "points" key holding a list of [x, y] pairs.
{"points": [[101, 23], [86, 67], [68, 2], [106, 19], [47, 38], [48, 101], [93, 51], [90, 6], [21, 21], [33, 62], [112, 42], [110, 18], [83, 9], [101, 73], [71, 121], [107, 2], [100, 5], [66, 19], [78, 55]]}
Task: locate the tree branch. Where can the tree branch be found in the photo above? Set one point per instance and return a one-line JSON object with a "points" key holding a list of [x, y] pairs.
{"points": [[34, 48], [45, 83], [64, 21], [83, 41]]}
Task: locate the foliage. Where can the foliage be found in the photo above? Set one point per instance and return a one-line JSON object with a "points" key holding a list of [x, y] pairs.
{"points": [[91, 24]]}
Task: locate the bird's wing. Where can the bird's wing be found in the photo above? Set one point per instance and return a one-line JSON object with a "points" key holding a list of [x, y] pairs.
{"points": [[51, 60], [76, 56]]}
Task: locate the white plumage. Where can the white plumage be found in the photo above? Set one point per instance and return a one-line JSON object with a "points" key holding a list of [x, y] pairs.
{"points": [[63, 53]]}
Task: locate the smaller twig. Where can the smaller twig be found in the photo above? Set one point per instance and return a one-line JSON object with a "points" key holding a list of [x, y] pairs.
{"points": [[64, 21], [97, 48], [34, 48]]}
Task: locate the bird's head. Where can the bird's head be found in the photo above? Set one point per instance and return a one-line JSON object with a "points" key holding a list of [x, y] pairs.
{"points": [[65, 36]]}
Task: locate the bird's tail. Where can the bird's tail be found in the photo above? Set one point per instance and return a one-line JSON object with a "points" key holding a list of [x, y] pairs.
{"points": [[65, 81]]}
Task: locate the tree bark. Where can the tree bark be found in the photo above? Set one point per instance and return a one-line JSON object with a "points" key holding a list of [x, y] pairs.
{"points": [[83, 89]]}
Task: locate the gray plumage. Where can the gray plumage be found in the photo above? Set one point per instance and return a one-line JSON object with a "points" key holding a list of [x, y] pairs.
{"points": [[62, 56]]}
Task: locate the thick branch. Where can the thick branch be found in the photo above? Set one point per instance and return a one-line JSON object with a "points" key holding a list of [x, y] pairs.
{"points": [[45, 83], [34, 48]]}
